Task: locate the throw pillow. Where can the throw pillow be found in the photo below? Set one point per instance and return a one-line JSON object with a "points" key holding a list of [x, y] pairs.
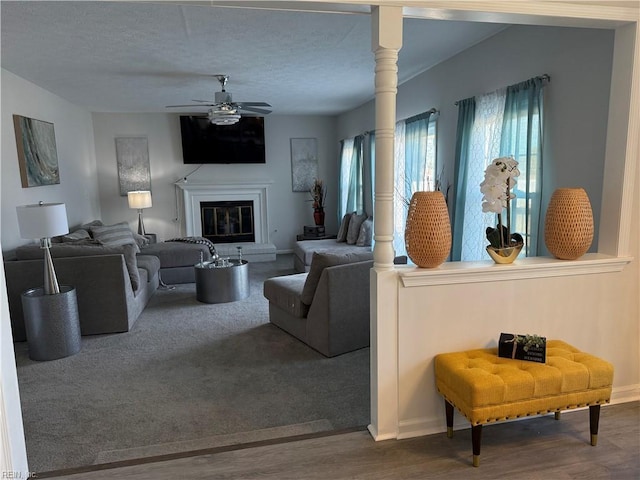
{"points": [[141, 240], [354, 227], [75, 236], [114, 235], [366, 233], [319, 262], [344, 227]]}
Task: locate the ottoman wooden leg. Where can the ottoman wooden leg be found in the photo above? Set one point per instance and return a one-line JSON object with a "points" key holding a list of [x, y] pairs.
{"points": [[476, 437], [594, 419], [449, 413]]}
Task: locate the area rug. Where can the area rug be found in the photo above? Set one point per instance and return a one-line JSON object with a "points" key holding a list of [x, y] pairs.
{"points": [[188, 375]]}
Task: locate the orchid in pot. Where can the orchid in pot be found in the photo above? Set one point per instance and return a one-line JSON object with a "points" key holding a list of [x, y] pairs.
{"points": [[499, 179]]}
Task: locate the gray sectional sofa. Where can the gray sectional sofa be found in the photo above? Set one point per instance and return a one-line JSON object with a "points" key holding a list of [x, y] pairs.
{"points": [[113, 282], [326, 308], [354, 237]]}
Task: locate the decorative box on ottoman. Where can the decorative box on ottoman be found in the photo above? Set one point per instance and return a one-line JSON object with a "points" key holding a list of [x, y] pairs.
{"points": [[522, 347]]}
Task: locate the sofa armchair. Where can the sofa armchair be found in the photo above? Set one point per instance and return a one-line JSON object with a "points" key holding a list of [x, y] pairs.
{"points": [[326, 308]]}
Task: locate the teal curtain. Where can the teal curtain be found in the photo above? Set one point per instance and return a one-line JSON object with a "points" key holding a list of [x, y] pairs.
{"points": [[351, 196], [522, 138], [466, 117]]}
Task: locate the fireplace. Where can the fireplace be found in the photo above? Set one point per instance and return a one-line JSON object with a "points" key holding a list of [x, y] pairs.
{"points": [[228, 221], [197, 194]]}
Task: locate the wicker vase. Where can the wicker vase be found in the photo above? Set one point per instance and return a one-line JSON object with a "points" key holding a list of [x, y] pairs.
{"points": [[428, 232], [568, 225]]}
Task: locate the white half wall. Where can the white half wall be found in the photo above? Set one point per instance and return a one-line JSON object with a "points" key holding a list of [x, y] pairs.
{"points": [[288, 211], [78, 187]]}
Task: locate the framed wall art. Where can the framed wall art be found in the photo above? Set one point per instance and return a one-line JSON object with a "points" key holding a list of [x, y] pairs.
{"points": [[132, 155], [37, 154], [304, 163]]}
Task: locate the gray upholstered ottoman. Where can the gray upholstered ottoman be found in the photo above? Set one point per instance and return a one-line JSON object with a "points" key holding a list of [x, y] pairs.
{"points": [[177, 259]]}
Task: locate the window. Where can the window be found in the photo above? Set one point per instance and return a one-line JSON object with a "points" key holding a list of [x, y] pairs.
{"points": [[507, 122]]}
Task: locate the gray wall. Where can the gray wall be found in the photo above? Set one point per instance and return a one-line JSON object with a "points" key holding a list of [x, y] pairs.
{"points": [[288, 211], [76, 157], [579, 62]]}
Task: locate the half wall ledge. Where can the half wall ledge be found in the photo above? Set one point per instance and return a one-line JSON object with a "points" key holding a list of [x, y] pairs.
{"points": [[531, 267]]}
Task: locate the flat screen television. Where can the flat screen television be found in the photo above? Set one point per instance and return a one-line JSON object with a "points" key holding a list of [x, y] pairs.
{"points": [[203, 142]]}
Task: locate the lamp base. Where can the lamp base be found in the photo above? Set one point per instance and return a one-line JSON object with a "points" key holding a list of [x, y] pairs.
{"points": [[140, 223]]}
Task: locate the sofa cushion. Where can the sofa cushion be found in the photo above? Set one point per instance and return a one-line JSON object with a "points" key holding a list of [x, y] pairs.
{"points": [[177, 254], [304, 249], [366, 233], [354, 227], [114, 235], [344, 227], [61, 250], [285, 292], [150, 263], [321, 261]]}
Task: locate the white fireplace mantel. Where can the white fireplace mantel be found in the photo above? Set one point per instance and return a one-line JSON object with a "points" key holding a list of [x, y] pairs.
{"points": [[194, 193]]}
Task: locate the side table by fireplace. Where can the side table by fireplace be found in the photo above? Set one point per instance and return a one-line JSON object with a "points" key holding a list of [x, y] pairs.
{"points": [[221, 281]]}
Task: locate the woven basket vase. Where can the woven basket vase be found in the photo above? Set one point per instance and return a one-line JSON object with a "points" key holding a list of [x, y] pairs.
{"points": [[568, 225], [428, 231]]}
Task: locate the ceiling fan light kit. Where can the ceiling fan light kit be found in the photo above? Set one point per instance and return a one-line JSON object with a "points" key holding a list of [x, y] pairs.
{"points": [[225, 111]]}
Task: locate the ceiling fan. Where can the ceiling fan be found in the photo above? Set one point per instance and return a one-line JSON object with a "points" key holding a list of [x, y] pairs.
{"points": [[224, 111]]}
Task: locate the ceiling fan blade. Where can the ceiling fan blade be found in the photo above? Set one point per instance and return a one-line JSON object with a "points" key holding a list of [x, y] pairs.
{"points": [[253, 104], [189, 106], [261, 111], [201, 101]]}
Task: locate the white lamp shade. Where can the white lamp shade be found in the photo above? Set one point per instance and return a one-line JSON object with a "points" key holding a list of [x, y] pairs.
{"points": [[139, 199], [42, 220]]}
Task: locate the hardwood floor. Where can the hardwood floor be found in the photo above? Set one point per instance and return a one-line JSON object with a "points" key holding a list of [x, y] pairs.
{"points": [[536, 448]]}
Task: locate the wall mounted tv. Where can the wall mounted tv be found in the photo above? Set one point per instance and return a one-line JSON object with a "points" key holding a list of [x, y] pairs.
{"points": [[203, 142]]}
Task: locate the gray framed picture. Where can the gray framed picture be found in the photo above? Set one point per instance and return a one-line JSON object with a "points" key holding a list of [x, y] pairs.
{"points": [[304, 163], [132, 155], [37, 154]]}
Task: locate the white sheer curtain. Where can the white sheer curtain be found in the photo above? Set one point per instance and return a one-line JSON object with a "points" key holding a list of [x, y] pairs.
{"points": [[399, 200], [484, 147]]}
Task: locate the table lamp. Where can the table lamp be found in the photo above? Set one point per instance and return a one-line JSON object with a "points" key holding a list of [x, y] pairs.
{"points": [[140, 199], [43, 221]]}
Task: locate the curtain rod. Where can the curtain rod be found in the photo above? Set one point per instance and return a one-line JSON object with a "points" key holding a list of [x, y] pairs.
{"points": [[545, 77]]}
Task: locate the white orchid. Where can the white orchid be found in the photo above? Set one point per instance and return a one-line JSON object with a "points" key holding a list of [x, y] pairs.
{"points": [[499, 179]]}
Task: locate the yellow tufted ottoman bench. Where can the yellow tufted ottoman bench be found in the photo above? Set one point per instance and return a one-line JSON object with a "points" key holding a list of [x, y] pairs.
{"points": [[486, 388]]}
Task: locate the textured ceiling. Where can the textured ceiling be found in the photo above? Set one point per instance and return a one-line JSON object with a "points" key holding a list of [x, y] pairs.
{"points": [[140, 57]]}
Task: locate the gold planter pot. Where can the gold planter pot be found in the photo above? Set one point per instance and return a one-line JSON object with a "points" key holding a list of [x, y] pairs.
{"points": [[504, 255]]}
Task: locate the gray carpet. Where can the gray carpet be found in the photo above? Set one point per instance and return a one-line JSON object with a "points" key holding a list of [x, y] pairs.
{"points": [[189, 375]]}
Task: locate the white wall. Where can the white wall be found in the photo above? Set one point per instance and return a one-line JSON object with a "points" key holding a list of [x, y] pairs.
{"points": [[579, 63], [287, 211], [77, 189], [76, 156]]}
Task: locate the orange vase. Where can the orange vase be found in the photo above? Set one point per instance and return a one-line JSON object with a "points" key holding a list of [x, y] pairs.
{"points": [[428, 231], [568, 224]]}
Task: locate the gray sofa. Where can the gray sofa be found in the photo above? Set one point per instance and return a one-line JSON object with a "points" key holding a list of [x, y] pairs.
{"points": [[113, 284], [303, 251], [326, 308]]}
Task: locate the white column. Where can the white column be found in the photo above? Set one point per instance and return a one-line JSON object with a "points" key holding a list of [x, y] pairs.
{"points": [[386, 29]]}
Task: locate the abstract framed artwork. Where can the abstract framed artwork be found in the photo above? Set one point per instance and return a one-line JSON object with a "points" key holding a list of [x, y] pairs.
{"points": [[132, 155], [304, 163], [37, 154]]}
